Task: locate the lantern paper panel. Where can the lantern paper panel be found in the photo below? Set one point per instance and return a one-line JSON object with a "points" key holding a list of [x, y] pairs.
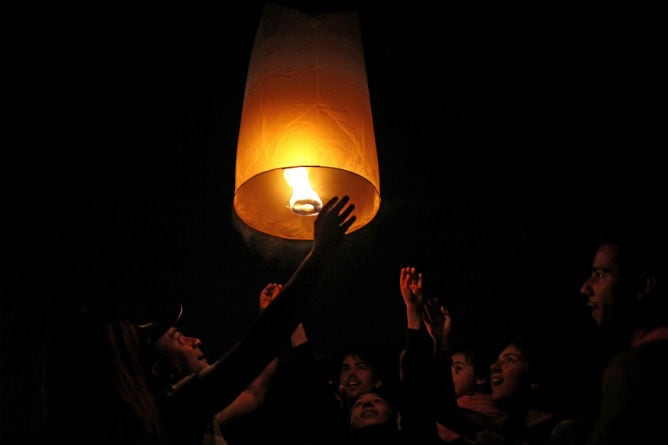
{"points": [[306, 104]]}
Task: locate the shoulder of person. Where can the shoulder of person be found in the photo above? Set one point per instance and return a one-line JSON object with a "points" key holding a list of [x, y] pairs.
{"points": [[642, 364]]}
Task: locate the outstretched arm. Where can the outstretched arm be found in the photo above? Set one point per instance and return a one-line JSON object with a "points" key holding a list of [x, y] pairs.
{"points": [[219, 384], [255, 394]]}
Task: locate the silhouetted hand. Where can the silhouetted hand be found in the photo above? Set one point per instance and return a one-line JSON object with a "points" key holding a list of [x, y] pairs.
{"points": [[438, 321], [332, 223]]}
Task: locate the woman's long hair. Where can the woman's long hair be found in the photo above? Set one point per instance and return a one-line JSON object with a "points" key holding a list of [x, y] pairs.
{"points": [[96, 389], [125, 371]]}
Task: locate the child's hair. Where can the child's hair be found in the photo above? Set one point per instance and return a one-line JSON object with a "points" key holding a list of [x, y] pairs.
{"points": [[479, 355]]}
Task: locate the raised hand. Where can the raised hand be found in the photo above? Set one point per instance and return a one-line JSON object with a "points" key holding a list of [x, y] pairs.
{"points": [[332, 223], [269, 293], [438, 321], [410, 285]]}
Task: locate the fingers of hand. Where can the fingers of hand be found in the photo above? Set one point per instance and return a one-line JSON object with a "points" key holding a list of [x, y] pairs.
{"points": [[335, 206], [341, 203], [346, 224], [329, 204]]}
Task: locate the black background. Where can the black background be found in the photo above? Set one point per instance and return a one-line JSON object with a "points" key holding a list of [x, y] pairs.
{"points": [[507, 135]]}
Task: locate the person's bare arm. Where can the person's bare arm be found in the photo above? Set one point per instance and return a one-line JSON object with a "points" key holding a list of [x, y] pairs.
{"points": [[251, 398], [266, 338], [254, 396]]}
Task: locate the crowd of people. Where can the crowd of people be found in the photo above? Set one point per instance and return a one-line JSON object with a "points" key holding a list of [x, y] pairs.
{"points": [[123, 377]]}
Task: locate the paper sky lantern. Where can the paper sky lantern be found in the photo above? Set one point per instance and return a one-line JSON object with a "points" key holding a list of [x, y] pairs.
{"points": [[306, 131]]}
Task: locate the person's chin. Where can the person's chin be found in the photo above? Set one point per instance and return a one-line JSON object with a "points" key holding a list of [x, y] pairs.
{"points": [[200, 364]]}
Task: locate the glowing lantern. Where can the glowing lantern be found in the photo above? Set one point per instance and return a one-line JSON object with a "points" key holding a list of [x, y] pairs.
{"points": [[306, 124]]}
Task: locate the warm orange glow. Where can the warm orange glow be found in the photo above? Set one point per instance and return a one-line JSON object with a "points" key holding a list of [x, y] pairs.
{"points": [[306, 104], [304, 200]]}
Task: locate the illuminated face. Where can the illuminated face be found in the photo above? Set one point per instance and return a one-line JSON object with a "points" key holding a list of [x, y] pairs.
{"points": [[183, 352], [370, 409], [356, 377], [603, 287], [464, 377], [509, 374]]}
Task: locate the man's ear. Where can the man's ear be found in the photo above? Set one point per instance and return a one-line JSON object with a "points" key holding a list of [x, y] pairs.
{"points": [[647, 286]]}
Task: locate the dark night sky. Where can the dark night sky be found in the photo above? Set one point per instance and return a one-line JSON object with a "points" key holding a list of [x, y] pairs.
{"points": [[507, 136]]}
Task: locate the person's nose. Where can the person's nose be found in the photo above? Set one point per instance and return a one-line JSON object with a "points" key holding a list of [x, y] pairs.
{"points": [[194, 342], [586, 289]]}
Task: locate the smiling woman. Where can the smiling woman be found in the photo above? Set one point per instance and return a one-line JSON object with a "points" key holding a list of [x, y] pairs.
{"points": [[523, 387]]}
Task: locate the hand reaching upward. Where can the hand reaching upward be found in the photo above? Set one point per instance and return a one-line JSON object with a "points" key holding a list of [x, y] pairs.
{"points": [[410, 285], [269, 293], [332, 223], [438, 321]]}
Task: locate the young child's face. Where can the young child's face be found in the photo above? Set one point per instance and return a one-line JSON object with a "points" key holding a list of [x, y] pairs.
{"points": [[370, 409], [356, 377], [463, 375]]}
